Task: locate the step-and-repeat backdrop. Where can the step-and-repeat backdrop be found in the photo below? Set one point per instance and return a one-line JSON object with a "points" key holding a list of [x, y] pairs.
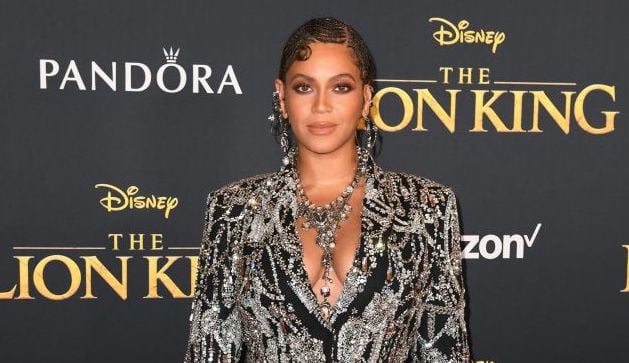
{"points": [[117, 119]]}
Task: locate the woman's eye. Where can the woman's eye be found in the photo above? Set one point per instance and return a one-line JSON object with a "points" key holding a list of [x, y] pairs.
{"points": [[302, 88], [343, 88]]}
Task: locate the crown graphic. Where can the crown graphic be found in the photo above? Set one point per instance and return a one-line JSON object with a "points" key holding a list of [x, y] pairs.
{"points": [[170, 56]]}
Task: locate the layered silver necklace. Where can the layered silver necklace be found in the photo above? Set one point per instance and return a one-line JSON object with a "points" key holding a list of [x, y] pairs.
{"points": [[326, 220]]}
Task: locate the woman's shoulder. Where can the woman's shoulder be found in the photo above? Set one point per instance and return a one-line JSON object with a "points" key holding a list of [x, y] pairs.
{"points": [[250, 182], [402, 180], [239, 191], [433, 197]]}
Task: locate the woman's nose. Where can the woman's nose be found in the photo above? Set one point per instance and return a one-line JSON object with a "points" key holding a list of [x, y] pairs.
{"points": [[321, 103]]}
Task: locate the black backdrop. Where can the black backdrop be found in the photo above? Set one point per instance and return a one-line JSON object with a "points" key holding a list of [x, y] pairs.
{"points": [[542, 204]]}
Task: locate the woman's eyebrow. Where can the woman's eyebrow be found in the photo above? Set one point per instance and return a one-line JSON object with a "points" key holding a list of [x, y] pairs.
{"points": [[301, 75], [344, 75], [311, 79]]}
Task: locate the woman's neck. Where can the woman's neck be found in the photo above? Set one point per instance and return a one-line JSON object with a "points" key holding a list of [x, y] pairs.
{"points": [[327, 170]]}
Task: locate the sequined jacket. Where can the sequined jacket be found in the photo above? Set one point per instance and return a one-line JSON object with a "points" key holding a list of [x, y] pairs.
{"points": [[402, 301]]}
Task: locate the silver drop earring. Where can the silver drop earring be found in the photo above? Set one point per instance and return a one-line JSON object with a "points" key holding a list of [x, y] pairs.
{"points": [[371, 130], [280, 124], [371, 134]]}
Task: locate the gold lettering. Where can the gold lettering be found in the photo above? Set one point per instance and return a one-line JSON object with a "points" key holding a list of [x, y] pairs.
{"points": [[194, 263], [112, 202], [449, 34], [116, 237], [484, 108], [24, 285], [407, 105], [171, 203], [119, 286], [465, 75], [136, 239], [483, 75], [448, 120], [446, 73], [40, 282], [4, 295], [626, 289], [563, 121], [157, 241], [517, 110], [41, 278], [118, 199], [23, 262], [156, 276], [500, 38], [131, 191], [579, 114]]}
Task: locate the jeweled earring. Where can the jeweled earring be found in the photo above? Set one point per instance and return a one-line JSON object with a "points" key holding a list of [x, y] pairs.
{"points": [[280, 124], [372, 133]]}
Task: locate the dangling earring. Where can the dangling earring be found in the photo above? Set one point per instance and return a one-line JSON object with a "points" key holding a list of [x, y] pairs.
{"points": [[372, 133], [280, 124], [370, 130]]}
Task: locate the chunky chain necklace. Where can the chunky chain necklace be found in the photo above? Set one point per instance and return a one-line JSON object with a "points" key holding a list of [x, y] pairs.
{"points": [[326, 219]]}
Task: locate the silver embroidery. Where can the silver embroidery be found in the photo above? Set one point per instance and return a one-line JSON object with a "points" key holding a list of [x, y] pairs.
{"points": [[403, 300]]}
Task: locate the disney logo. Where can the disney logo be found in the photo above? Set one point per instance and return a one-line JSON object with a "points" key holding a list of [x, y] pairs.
{"points": [[118, 199], [450, 33]]}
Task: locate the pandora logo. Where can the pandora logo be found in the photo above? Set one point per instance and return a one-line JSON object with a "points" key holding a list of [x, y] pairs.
{"points": [[137, 76]]}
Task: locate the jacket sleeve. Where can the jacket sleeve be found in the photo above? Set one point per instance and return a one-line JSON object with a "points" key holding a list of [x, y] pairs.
{"points": [[443, 335], [215, 327]]}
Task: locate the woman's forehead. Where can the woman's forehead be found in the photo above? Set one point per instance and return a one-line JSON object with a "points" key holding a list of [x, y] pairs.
{"points": [[326, 59]]}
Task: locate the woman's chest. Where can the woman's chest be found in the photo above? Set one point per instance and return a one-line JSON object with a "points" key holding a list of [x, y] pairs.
{"points": [[381, 244], [387, 257]]}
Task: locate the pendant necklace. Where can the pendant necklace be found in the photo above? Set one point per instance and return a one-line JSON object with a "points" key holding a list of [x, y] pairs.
{"points": [[326, 220]]}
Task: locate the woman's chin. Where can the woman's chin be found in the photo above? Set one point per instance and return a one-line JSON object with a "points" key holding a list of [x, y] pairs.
{"points": [[323, 148]]}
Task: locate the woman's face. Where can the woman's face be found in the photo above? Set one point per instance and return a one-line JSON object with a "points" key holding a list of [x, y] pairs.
{"points": [[324, 98]]}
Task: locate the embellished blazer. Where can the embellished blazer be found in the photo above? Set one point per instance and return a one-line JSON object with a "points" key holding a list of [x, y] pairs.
{"points": [[403, 300]]}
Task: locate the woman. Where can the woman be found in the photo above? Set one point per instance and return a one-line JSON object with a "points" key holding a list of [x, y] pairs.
{"points": [[330, 258]]}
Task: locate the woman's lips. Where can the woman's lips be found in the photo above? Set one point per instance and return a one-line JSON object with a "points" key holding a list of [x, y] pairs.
{"points": [[321, 128]]}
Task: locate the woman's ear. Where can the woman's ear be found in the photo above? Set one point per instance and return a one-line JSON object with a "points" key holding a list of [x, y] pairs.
{"points": [[279, 87], [367, 96]]}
